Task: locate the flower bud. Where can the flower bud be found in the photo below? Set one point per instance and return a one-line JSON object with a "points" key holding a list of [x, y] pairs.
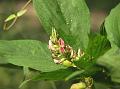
{"points": [[72, 53], [61, 42], [62, 50], [67, 63], [63, 59], [51, 46], [54, 35], [56, 61], [80, 85], [80, 53]]}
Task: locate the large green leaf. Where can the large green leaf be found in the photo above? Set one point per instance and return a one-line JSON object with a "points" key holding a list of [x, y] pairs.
{"points": [[112, 25], [54, 75], [28, 53], [111, 60], [70, 18]]}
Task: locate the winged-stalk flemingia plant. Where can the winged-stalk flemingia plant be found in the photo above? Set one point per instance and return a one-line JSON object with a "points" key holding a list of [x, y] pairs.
{"points": [[73, 52]]}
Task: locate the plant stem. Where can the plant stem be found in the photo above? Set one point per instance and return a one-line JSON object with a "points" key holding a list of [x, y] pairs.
{"points": [[53, 85], [5, 28], [26, 4], [13, 22]]}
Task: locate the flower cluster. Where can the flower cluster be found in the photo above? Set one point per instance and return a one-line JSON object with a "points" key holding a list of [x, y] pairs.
{"points": [[86, 83], [61, 52]]}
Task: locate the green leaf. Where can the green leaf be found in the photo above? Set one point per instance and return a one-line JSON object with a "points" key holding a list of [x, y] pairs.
{"points": [[111, 60], [74, 74], [70, 18], [28, 53], [67, 74], [11, 17], [103, 30], [112, 25], [99, 85], [54, 75], [85, 62], [98, 45], [2, 60]]}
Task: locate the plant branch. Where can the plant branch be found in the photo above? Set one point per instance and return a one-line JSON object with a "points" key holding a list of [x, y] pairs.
{"points": [[5, 27], [13, 22], [26, 5]]}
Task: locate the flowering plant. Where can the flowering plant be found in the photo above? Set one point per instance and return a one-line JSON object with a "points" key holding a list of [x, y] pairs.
{"points": [[62, 53], [73, 52]]}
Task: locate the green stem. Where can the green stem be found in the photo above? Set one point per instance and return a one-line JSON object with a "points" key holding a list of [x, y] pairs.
{"points": [[26, 4], [5, 27], [53, 85], [13, 22]]}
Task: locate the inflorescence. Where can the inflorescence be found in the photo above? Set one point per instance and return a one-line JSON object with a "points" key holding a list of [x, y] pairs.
{"points": [[63, 53]]}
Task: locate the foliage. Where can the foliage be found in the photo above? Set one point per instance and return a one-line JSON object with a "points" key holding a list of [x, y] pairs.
{"points": [[28, 53], [71, 20], [111, 59]]}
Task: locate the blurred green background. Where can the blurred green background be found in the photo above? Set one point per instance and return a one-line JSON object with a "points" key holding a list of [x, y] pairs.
{"points": [[29, 27]]}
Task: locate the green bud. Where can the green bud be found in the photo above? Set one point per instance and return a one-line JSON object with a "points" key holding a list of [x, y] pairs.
{"points": [[89, 81], [63, 59], [77, 58], [73, 65], [54, 35], [11, 17], [21, 12], [56, 47], [67, 63], [80, 85]]}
